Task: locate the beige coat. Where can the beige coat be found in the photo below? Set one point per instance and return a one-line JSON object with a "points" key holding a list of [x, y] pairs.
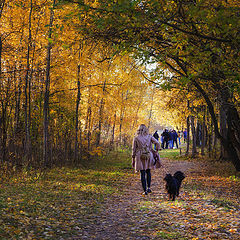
{"points": [[148, 141]]}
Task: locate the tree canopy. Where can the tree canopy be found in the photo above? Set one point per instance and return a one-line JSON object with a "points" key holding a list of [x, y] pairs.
{"points": [[87, 72], [197, 41]]}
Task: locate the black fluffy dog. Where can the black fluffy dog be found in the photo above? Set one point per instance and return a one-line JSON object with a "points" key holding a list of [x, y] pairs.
{"points": [[173, 184]]}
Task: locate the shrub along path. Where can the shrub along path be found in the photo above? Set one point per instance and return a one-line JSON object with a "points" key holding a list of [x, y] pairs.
{"points": [[103, 201]]}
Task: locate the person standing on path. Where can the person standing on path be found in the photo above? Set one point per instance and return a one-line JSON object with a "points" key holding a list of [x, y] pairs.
{"points": [[175, 138], [170, 139], [180, 137], [144, 158], [156, 136], [185, 135], [165, 136]]}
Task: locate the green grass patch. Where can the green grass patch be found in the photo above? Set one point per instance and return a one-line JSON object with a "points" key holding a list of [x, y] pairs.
{"points": [[170, 153], [224, 203], [51, 205], [168, 235], [235, 178]]}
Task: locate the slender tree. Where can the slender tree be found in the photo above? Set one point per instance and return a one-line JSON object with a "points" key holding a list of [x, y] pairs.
{"points": [[77, 106], [47, 90], [27, 88]]}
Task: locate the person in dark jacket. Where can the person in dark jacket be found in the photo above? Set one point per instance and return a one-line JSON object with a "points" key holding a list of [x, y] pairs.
{"points": [[185, 135], [165, 136], [170, 139], [156, 136], [175, 137]]}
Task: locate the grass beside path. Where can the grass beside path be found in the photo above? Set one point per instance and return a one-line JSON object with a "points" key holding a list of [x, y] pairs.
{"points": [[56, 205]]}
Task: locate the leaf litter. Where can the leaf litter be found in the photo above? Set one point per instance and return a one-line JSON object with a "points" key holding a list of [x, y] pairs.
{"points": [[98, 204]]}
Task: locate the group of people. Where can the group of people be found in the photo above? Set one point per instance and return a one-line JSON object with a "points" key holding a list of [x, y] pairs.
{"points": [[171, 137], [145, 158]]}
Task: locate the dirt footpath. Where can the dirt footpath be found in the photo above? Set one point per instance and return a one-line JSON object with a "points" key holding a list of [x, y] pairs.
{"points": [[207, 208]]}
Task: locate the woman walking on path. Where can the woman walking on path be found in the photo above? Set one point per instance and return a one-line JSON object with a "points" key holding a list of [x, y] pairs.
{"points": [[144, 158]]}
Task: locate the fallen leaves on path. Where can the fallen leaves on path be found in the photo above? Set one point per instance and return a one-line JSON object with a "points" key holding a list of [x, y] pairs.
{"points": [[107, 204]]}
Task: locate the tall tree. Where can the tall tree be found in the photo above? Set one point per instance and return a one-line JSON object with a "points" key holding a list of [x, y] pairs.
{"points": [[27, 89], [186, 38], [77, 105], [47, 91]]}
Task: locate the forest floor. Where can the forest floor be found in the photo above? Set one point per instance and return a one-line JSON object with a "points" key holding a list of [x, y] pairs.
{"points": [[103, 200]]}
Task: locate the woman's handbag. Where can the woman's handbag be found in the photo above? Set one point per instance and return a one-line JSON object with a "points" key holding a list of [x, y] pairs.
{"points": [[156, 157]]}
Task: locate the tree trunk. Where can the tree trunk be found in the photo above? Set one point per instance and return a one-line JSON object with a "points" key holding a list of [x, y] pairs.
{"points": [[1, 113], [113, 130], [198, 134], [98, 138], [46, 95], [101, 108], [89, 129], [232, 142], [26, 93], [203, 132], [88, 107], [3, 122], [223, 132], [233, 136], [188, 131], [214, 145], [136, 115], [17, 106], [121, 121], [188, 136], [209, 144], [107, 130], [150, 112], [194, 139], [122, 116], [77, 113], [3, 131], [1, 7]]}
